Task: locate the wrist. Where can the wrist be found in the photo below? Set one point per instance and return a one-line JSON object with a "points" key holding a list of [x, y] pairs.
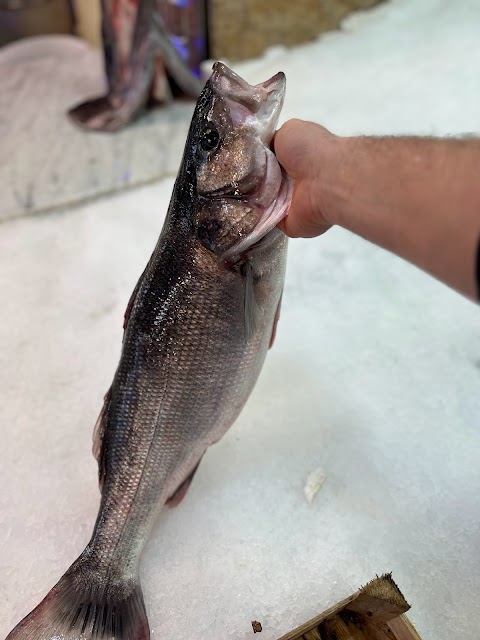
{"points": [[337, 179]]}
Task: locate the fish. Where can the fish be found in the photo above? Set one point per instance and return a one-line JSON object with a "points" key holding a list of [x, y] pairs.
{"points": [[196, 333], [141, 62]]}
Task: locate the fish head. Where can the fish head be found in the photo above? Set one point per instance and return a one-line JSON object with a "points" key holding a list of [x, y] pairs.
{"points": [[242, 192]]}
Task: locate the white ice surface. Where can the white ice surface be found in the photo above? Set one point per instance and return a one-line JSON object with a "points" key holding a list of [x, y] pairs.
{"points": [[374, 376]]}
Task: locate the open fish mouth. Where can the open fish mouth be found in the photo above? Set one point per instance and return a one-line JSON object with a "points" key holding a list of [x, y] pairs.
{"points": [[229, 84], [263, 101]]}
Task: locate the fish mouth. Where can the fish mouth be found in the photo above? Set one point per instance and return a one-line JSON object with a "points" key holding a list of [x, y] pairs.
{"points": [[263, 100], [227, 82]]}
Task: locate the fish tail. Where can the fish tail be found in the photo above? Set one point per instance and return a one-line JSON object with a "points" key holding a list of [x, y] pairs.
{"points": [[88, 604]]}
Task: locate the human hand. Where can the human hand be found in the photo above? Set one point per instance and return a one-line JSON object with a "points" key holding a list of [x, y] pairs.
{"points": [[301, 148]]}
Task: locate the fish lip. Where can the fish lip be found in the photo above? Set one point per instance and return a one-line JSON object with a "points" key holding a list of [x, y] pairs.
{"points": [[272, 105], [226, 81], [275, 83], [269, 220]]}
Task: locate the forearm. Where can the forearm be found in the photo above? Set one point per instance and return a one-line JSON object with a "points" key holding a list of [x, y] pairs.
{"points": [[417, 197]]}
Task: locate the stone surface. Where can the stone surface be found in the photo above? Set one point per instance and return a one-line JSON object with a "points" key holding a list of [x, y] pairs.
{"points": [[47, 162]]}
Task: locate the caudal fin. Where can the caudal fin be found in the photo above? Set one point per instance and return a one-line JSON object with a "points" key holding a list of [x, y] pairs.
{"points": [[85, 605]]}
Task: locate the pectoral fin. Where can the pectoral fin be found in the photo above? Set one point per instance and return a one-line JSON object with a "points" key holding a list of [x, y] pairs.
{"points": [[252, 310], [275, 322]]}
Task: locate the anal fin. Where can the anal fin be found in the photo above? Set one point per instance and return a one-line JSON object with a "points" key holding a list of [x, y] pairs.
{"points": [[181, 491]]}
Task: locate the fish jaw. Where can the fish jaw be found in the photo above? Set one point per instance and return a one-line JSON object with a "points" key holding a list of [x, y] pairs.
{"points": [[276, 192], [244, 191]]}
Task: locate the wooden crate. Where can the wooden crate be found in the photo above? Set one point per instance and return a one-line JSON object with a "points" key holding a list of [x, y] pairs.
{"points": [[375, 612]]}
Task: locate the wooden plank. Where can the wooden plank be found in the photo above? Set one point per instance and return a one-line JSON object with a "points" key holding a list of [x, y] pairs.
{"points": [[380, 599], [355, 625], [375, 612], [334, 628], [297, 633], [378, 632], [403, 629], [314, 634], [399, 628]]}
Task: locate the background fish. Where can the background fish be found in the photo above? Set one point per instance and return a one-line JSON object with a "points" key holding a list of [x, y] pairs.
{"points": [[140, 62], [197, 330]]}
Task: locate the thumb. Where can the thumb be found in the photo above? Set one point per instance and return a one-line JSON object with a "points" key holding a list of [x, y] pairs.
{"points": [[286, 145], [295, 144]]}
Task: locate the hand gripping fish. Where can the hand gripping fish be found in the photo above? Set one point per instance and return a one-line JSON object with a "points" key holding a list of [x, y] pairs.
{"points": [[197, 329]]}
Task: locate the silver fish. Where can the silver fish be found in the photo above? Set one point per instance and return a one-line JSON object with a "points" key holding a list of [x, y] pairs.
{"points": [[197, 329], [140, 62]]}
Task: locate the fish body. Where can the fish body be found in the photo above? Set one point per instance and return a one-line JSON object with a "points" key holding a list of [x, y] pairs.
{"points": [[140, 62], [197, 329]]}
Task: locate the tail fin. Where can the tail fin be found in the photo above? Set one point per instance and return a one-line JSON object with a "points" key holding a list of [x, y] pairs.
{"points": [[84, 605]]}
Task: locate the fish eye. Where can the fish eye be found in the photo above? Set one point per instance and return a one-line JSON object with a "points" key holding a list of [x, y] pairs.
{"points": [[209, 140]]}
